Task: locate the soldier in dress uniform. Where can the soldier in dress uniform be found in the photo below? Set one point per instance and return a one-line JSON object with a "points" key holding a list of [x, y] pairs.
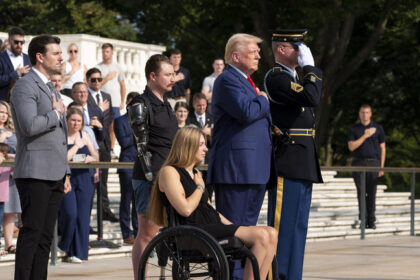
{"points": [[292, 103]]}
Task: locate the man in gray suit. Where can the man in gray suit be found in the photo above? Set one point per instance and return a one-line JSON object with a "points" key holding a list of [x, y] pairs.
{"points": [[41, 157]]}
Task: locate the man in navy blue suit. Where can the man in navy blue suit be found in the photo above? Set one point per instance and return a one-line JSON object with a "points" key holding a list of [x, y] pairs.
{"points": [[13, 63], [128, 153], [240, 159]]}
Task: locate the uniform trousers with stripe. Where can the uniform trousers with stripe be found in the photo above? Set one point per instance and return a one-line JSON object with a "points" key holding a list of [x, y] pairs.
{"points": [[288, 212]]}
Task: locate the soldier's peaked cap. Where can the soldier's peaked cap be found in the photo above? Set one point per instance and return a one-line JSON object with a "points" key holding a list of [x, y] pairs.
{"points": [[288, 35]]}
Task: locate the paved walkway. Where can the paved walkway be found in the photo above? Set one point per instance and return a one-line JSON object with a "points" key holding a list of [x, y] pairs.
{"points": [[396, 258]]}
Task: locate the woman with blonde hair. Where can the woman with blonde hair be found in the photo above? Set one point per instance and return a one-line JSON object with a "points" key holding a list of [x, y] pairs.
{"points": [[72, 70], [181, 185], [12, 206]]}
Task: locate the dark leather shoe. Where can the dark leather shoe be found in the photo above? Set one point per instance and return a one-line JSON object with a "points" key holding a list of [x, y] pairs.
{"points": [[110, 217], [371, 225], [129, 240]]}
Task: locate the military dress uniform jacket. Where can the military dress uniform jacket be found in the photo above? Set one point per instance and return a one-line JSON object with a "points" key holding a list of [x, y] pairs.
{"points": [[292, 107]]}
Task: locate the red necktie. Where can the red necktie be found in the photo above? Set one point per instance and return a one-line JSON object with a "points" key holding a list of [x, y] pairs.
{"points": [[252, 83]]}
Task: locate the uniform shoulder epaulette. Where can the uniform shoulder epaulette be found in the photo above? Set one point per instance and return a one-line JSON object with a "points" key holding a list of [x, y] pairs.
{"points": [[277, 68]]}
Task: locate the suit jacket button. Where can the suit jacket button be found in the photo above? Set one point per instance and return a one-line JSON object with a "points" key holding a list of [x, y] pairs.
{"points": [[64, 143]]}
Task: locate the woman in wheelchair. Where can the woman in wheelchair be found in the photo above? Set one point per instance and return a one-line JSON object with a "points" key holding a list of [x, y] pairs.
{"points": [[180, 185]]}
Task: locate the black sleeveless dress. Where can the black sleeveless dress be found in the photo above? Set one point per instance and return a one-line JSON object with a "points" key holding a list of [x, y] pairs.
{"points": [[204, 216]]}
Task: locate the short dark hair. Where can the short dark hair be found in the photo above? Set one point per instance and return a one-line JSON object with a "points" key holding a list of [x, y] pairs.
{"points": [[218, 58], [92, 71], [39, 45], [174, 51], [199, 96], [153, 64], [365, 106], [74, 103], [76, 84], [16, 31], [107, 45], [181, 104]]}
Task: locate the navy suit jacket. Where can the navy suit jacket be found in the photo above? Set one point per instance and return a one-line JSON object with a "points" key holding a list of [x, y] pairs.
{"points": [[241, 140], [95, 111], [8, 74], [106, 117], [126, 140]]}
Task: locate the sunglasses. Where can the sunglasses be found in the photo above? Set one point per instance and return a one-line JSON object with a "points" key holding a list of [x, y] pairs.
{"points": [[73, 51], [93, 80], [17, 42]]}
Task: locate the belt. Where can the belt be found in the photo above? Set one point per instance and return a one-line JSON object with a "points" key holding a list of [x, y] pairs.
{"points": [[301, 132]]}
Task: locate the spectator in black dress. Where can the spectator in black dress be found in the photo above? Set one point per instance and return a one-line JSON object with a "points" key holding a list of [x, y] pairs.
{"points": [[181, 185]]}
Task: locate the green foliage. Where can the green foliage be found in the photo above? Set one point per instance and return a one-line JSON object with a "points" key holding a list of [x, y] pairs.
{"points": [[386, 75], [65, 17], [389, 81]]}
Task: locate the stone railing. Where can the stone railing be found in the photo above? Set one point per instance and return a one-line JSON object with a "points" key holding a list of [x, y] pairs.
{"points": [[130, 56]]}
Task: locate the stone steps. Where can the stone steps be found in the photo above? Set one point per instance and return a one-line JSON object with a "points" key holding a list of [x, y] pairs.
{"points": [[334, 215]]}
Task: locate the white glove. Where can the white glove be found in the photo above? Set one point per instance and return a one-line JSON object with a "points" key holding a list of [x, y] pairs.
{"points": [[305, 57]]}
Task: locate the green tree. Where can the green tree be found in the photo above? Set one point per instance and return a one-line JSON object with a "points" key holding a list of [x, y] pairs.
{"points": [[65, 17], [343, 36]]}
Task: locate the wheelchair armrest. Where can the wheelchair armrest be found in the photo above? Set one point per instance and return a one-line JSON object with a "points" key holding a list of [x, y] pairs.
{"points": [[230, 243]]}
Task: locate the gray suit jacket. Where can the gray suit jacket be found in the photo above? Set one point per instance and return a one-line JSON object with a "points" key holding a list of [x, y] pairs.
{"points": [[41, 151]]}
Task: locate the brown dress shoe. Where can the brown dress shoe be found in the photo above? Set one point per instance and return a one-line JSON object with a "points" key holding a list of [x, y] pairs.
{"points": [[129, 240]]}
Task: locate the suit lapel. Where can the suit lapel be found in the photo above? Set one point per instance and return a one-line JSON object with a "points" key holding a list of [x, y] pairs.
{"points": [[26, 60], [243, 80], [40, 83], [251, 90], [91, 101], [8, 61]]}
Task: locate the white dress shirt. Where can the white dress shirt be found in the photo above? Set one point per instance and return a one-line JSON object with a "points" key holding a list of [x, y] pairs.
{"points": [[16, 60]]}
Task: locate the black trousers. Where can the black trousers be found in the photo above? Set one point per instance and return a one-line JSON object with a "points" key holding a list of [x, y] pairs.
{"points": [[104, 155], [127, 199], [371, 186], [40, 201]]}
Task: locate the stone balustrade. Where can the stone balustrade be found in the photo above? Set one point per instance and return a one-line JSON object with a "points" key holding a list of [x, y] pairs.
{"points": [[130, 56]]}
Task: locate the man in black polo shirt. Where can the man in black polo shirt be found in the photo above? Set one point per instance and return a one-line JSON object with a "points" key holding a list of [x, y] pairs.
{"points": [[367, 140], [162, 129]]}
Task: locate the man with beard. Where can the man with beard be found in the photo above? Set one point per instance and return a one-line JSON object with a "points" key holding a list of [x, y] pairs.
{"points": [[13, 63]]}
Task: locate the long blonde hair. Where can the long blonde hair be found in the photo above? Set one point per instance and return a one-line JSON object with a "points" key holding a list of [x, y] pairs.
{"points": [[182, 154], [9, 123]]}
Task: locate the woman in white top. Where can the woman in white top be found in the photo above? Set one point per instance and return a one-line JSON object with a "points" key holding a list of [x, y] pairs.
{"points": [[73, 71]]}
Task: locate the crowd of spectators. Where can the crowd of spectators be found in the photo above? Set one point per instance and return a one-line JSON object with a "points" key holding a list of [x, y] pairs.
{"points": [[94, 98]]}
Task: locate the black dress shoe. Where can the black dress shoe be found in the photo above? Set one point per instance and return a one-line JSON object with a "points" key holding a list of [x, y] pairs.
{"points": [[110, 217], [371, 225]]}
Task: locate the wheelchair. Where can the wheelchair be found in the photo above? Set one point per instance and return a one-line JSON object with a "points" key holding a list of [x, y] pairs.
{"points": [[181, 252]]}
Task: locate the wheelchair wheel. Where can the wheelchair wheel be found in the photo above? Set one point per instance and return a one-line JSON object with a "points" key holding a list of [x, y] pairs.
{"points": [[183, 252]]}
